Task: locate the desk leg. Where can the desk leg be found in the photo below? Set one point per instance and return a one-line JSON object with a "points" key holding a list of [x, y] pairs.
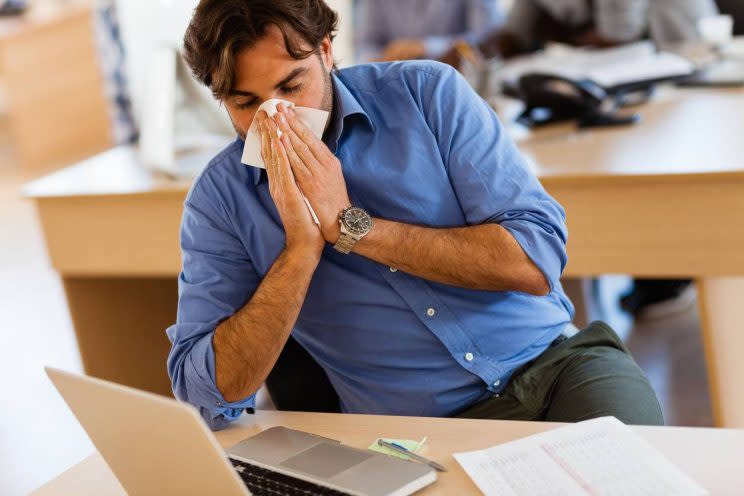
{"points": [[721, 303], [120, 327]]}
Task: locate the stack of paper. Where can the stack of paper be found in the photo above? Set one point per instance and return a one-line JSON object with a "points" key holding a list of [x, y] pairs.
{"points": [[599, 457], [610, 67]]}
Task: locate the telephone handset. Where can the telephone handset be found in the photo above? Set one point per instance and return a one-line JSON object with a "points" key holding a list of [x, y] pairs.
{"points": [[551, 98]]}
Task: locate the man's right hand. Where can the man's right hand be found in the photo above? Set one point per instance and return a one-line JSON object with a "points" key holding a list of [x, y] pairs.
{"points": [[303, 236]]}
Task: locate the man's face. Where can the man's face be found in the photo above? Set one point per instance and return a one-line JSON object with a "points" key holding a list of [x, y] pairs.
{"points": [[266, 70]]}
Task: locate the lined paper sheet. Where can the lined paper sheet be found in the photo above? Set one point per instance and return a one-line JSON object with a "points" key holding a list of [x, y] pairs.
{"points": [[599, 457]]}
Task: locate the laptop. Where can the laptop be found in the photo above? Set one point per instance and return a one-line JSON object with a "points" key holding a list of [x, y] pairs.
{"points": [[157, 445]]}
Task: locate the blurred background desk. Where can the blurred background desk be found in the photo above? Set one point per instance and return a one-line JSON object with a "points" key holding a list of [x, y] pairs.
{"points": [[663, 198], [52, 85], [711, 457]]}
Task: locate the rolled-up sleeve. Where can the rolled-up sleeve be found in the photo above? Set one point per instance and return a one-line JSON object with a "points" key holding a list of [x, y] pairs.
{"points": [[490, 177], [216, 280]]}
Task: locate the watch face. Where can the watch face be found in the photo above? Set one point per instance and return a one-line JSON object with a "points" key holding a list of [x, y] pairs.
{"points": [[357, 221]]}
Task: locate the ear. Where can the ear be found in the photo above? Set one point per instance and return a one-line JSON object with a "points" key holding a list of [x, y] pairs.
{"points": [[326, 52]]}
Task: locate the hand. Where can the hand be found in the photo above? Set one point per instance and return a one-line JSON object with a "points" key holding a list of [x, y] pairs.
{"points": [[404, 50], [452, 57], [317, 170], [302, 234]]}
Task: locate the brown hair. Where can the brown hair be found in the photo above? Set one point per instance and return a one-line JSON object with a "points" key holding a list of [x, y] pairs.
{"points": [[220, 29]]}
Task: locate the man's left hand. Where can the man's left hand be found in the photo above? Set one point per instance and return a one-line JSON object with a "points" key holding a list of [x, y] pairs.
{"points": [[316, 170]]}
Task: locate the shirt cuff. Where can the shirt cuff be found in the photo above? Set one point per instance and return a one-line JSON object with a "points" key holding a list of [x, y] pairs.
{"points": [[203, 392], [542, 250]]}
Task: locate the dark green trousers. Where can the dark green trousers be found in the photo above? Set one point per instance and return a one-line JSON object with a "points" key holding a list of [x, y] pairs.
{"points": [[586, 376]]}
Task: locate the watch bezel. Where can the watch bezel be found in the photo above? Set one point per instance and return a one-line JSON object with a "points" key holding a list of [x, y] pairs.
{"points": [[347, 225]]}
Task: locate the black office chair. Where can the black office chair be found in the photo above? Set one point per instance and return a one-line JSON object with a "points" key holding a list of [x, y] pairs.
{"points": [[298, 384]]}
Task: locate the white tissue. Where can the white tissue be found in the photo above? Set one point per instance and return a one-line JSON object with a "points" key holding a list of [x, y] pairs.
{"points": [[314, 119]]}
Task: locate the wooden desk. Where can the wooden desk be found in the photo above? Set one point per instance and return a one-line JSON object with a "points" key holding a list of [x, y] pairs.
{"points": [[710, 456], [664, 198], [53, 85]]}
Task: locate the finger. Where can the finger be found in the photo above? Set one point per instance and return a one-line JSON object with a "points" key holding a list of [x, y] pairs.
{"points": [[261, 116], [275, 135], [273, 128], [271, 163], [287, 178], [300, 169], [319, 150], [276, 167], [263, 134], [301, 148]]}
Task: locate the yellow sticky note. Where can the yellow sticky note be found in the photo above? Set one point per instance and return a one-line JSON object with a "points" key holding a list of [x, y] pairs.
{"points": [[408, 444]]}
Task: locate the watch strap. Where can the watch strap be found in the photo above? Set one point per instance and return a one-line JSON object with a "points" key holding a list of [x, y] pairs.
{"points": [[345, 243]]}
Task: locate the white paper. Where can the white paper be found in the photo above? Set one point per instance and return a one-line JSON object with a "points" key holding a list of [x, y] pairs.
{"points": [[314, 119], [599, 457], [607, 67]]}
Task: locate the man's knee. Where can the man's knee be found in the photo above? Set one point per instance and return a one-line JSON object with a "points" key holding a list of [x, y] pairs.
{"points": [[604, 381]]}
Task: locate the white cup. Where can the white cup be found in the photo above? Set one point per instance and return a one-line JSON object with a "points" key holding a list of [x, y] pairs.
{"points": [[716, 30]]}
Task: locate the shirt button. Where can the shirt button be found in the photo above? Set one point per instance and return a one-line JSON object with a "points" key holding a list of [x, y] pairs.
{"points": [[497, 383], [393, 269], [430, 312], [218, 403], [469, 357]]}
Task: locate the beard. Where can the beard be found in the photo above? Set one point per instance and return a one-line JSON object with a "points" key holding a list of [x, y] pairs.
{"points": [[325, 104]]}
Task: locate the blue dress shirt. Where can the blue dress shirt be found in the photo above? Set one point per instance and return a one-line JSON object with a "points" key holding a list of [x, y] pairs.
{"points": [[417, 146]]}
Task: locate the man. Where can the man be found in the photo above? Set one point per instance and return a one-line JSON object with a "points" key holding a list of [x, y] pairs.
{"points": [[420, 29], [599, 23], [438, 294]]}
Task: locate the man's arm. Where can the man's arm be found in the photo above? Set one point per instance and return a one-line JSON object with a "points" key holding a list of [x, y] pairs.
{"points": [[232, 322], [247, 345], [485, 257]]}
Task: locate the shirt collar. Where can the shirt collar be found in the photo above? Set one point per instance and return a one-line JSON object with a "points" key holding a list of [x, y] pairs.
{"points": [[345, 108]]}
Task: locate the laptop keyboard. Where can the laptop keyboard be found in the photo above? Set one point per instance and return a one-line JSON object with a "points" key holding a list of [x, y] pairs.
{"points": [[263, 481]]}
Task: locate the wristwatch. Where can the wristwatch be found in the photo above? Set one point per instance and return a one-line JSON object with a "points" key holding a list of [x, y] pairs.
{"points": [[355, 223]]}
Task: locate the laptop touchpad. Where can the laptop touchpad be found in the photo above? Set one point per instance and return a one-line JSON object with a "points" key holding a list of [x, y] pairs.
{"points": [[325, 460]]}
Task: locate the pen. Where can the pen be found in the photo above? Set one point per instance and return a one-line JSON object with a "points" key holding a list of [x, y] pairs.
{"points": [[411, 454]]}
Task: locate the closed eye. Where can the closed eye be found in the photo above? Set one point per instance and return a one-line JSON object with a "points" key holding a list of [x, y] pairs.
{"points": [[291, 89], [246, 105]]}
